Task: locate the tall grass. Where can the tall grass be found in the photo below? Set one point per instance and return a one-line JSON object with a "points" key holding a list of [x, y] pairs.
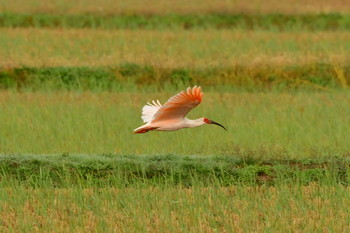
{"points": [[270, 125], [235, 209], [171, 49]]}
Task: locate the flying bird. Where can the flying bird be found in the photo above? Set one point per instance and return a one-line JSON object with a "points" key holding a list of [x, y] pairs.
{"points": [[172, 115]]}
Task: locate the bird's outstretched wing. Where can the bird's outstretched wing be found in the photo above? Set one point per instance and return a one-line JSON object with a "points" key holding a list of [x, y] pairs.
{"points": [[179, 105], [149, 110]]}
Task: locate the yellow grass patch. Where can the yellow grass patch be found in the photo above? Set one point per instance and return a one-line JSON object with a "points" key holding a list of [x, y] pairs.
{"points": [[234, 209], [176, 6], [199, 48]]}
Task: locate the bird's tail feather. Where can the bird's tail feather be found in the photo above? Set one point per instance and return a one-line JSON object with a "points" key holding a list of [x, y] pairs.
{"points": [[144, 129]]}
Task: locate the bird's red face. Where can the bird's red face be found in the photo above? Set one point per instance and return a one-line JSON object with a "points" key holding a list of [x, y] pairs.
{"points": [[207, 121]]}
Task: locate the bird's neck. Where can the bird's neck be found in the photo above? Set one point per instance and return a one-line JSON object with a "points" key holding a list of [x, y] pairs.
{"points": [[195, 122]]}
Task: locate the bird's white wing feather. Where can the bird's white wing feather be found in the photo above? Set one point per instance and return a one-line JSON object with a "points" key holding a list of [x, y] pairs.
{"points": [[149, 110]]}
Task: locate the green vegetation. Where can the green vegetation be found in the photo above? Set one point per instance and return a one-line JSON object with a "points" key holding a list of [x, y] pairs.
{"points": [[122, 77], [166, 170], [74, 76], [272, 22], [269, 125]]}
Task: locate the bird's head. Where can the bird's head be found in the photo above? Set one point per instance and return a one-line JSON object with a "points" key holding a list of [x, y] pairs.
{"points": [[207, 121]]}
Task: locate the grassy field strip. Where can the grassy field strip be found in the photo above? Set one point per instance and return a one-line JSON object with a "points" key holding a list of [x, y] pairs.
{"points": [[83, 47], [293, 208], [107, 7], [274, 22], [74, 76], [166, 170], [131, 77], [269, 125]]}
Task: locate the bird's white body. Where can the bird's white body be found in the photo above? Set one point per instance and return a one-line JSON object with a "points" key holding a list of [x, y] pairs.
{"points": [[172, 115], [174, 125]]}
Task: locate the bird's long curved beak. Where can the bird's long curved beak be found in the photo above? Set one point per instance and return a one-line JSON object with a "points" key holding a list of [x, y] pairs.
{"points": [[215, 123]]}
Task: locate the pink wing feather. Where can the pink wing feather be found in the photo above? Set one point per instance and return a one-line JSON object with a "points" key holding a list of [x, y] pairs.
{"points": [[179, 105]]}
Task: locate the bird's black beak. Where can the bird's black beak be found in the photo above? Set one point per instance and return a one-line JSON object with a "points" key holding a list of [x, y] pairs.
{"points": [[215, 123]]}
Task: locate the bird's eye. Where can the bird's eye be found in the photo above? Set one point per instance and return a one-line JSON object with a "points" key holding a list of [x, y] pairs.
{"points": [[206, 120]]}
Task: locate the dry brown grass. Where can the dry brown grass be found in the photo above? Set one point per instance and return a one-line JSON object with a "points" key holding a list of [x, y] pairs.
{"points": [[236, 209], [199, 48], [177, 6]]}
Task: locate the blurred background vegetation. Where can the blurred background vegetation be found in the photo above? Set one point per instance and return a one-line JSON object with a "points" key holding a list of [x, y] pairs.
{"points": [[238, 44]]}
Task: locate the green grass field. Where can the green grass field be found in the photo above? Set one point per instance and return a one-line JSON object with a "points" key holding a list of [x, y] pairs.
{"points": [[275, 125], [270, 22], [74, 76]]}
